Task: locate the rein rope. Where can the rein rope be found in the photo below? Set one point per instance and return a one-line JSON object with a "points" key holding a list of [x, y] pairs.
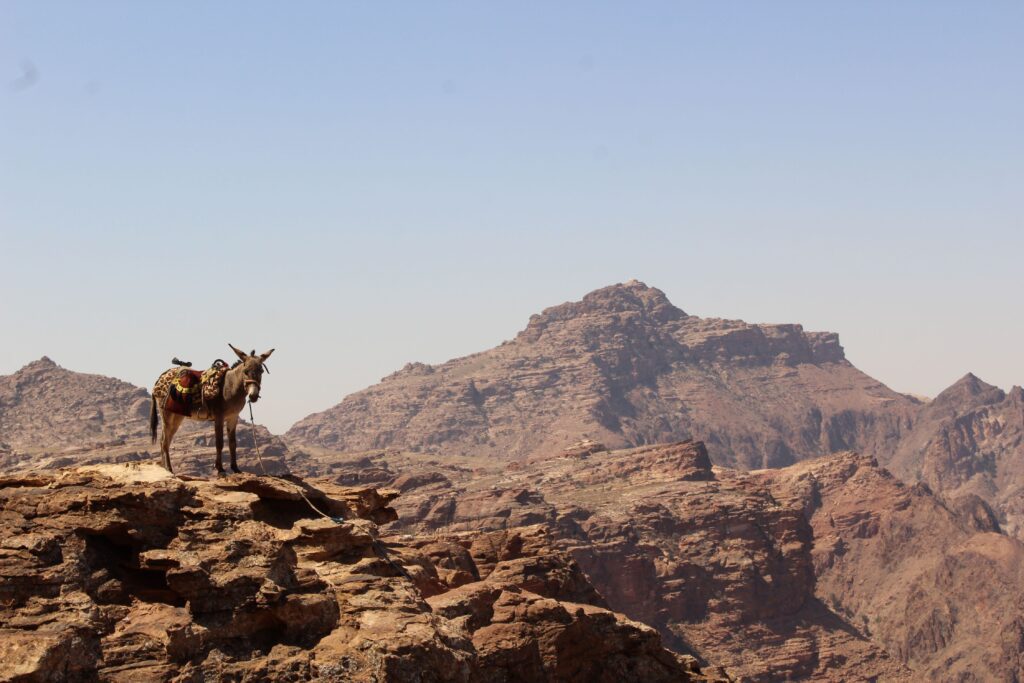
{"points": [[377, 546], [259, 458]]}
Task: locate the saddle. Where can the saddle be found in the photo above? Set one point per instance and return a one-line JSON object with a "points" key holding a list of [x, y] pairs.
{"points": [[191, 390]]}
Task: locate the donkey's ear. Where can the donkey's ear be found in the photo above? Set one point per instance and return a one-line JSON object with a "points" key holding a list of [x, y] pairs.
{"points": [[265, 356], [238, 352]]}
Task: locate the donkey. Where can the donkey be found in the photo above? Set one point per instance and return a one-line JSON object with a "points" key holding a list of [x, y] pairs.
{"points": [[241, 382]]}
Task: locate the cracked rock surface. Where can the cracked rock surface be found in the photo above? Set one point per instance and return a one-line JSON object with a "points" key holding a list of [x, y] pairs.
{"points": [[127, 573]]}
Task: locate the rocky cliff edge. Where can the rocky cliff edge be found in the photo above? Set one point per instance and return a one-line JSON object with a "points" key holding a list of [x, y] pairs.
{"points": [[125, 573]]}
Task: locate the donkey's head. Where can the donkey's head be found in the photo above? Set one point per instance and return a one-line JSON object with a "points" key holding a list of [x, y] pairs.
{"points": [[252, 367]]}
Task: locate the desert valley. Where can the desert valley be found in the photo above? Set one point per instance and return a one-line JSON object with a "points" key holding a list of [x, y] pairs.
{"points": [[622, 491]]}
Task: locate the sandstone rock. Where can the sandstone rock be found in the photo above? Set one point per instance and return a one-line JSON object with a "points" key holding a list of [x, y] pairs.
{"points": [[624, 367], [534, 638], [125, 573], [536, 617], [969, 442], [826, 570], [711, 558], [915, 575], [583, 449]]}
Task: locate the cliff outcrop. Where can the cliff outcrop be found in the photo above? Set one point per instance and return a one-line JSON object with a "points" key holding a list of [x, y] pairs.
{"points": [[126, 573], [830, 569]]}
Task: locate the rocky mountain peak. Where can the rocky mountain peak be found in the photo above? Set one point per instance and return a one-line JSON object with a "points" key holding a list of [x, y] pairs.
{"points": [[969, 390], [632, 296], [624, 367], [632, 299], [37, 367]]}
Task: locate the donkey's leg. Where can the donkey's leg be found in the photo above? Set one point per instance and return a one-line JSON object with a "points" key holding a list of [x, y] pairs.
{"points": [[233, 441], [171, 422], [165, 441], [218, 426]]}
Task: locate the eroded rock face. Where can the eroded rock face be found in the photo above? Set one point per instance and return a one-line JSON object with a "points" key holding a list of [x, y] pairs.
{"points": [[534, 613], [712, 558], [126, 573], [830, 569], [969, 443], [624, 367], [514, 508], [937, 586]]}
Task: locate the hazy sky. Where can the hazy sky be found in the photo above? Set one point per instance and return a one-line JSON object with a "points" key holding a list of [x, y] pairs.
{"points": [[364, 184]]}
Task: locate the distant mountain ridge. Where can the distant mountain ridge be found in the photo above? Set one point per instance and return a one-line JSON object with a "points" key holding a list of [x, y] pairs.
{"points": [[45, 405], [626, 367]]}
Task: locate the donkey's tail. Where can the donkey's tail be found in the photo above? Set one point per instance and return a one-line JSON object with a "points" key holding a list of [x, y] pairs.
{"points": [[152, 419]]}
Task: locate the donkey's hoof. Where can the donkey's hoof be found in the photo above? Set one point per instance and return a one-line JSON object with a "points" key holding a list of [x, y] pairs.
{"points": [[236, 470], [221, 473]]}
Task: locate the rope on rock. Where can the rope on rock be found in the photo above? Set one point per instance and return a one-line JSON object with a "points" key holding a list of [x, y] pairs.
{"points": [[377, 545], [259, 458]]}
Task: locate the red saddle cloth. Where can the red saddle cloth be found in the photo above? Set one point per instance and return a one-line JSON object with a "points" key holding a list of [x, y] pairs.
{"points": [[184, 396], [189, 378]]}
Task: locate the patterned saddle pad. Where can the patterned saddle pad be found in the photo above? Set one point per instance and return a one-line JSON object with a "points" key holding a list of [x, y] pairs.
{"points": [[212, 380], [192, 389], [183, 394]]}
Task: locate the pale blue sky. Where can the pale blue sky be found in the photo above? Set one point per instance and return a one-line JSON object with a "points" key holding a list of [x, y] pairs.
{"points": [[365, 184]]}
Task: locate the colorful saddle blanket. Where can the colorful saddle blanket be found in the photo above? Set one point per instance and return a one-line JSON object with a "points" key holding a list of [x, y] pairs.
{"points": [[190, 391], [183, 394]]}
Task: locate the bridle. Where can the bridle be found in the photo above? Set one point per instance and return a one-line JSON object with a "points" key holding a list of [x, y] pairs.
{"points": [[246, 381]]}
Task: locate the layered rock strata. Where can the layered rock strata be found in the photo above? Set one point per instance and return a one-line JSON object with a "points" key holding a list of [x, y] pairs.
{"points": [[624, 367], [826, 570], [125, 573], [709, 556], [968, 444], [938, 586]]}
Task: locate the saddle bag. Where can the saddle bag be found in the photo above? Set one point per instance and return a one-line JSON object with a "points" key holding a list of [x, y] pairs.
{"points": [[212, 380], [183, 393], [191, 390]]}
